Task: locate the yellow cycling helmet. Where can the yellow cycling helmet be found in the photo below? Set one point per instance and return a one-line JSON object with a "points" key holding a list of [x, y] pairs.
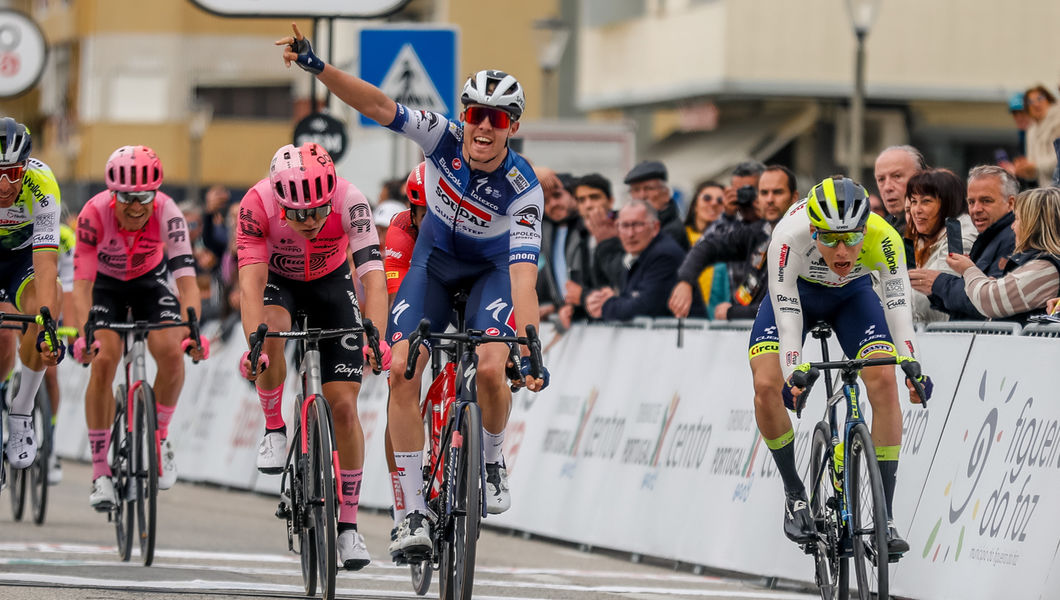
{"points": [[838, 205]]}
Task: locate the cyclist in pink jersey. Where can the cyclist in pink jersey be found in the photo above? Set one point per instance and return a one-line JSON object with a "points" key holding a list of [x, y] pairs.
{"points": [[295, 228], [132, 242]]}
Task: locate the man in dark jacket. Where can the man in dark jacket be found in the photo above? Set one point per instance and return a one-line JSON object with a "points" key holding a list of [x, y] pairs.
{"points": [[565, 255], [647, 181], [653, 258], [743, 246], [991, 193]]}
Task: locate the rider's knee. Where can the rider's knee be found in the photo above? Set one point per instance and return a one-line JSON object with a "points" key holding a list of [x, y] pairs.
{"points": [[491, 373], [344, 414], [879, 378]]}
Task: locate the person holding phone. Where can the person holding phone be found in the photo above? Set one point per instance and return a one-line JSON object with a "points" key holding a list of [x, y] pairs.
{"points": [[934, 196]]}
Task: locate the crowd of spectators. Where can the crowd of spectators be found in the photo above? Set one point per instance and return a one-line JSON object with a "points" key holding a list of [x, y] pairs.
{"points": [[654, 259]]}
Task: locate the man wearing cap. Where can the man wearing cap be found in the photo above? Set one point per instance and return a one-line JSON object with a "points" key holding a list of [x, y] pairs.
{"points": [[647, 182]]}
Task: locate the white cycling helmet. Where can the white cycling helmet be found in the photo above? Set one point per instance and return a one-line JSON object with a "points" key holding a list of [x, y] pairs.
{"points": [[15, 142], [494, 88]]}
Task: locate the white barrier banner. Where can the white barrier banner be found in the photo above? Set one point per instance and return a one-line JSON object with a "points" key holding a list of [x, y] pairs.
{"points": [[986, 526]]}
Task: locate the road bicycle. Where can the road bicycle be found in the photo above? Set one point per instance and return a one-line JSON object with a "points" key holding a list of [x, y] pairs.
{"points": [[454, 473], [31, 482], [849, 508], [310, 484], [135, 444]]}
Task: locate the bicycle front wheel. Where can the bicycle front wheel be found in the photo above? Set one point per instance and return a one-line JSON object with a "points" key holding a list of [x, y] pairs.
{"points": [[122, 514], [463, 497], [38, 472], [145, 466], [831, 574], [321, 495], [868, 514]]}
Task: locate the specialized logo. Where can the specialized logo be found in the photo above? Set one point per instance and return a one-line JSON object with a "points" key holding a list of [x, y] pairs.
{"points": [[469, 377], [528, 217], [398, 309], [496, 307], [517, 180]]}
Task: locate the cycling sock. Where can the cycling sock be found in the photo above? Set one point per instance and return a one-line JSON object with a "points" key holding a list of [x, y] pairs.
{"points": [[399, 498], [887, 458], [783, 451], [99, 443], [27, 391], [164, 414], [410, 470], [351, 495], [492, 443], [270, 403]]}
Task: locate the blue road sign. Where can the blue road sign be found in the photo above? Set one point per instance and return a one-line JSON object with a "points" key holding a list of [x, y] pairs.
{"points": [[416, 67]]}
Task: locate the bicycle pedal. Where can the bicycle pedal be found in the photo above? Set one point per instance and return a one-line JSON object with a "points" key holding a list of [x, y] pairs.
{"points": [[893, 558], [283, 512]]}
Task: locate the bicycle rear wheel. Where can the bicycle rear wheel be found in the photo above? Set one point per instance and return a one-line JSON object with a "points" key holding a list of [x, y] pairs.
{"points": [[38, 471], [122, 514], [145, 466], [463, 492], [321, 497], [868, 514], [832, 574]]}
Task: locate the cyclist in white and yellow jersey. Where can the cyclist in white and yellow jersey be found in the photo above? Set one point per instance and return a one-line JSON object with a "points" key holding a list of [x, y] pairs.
{"points": [[819, 260], [29, 244]]}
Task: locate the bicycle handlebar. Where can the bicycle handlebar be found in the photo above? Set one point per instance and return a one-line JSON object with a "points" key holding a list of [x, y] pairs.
{"points": [[137, 327], [257, 339], [806, 379], [475, 337]]}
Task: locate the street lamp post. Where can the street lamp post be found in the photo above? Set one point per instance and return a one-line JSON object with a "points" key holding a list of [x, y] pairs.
{"points": [[862, 13], [552, 34]]}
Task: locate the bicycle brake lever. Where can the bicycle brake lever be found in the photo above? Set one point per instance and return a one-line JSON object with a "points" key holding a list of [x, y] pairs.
{"points": [[421, 333], [800, 403], [512, 370], [257, 341], [912, 373], [193, 329], [371, 333]]}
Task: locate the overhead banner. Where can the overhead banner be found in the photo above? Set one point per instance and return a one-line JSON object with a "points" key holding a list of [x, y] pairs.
{"points": [[361, 9]]}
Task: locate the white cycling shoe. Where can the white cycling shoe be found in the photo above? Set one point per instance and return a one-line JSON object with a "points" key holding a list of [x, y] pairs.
{"points": [[55, 469], [498, 498], [21, 442], [414, 535], [271, 453], [103, 497], [353, 553], [169, 466]]}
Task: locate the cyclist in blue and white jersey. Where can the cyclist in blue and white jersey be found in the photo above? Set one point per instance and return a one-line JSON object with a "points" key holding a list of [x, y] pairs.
{"points": [[482, 230]]}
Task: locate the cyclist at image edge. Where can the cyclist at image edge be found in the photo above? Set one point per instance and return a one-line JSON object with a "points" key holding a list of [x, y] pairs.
{"points": [[483, 227], [819, 260], [294, 230], [132, 243], [29, 244]]}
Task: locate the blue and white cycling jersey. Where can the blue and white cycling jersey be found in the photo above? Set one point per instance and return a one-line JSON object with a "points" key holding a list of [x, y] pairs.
{"points": [[473, 215]]}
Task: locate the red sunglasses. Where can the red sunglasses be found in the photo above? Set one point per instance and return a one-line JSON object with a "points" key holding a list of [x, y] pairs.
{"points": [[13, 173], [475, 114]]}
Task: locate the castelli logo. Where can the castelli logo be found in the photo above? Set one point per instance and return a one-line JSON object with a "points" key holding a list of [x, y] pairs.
{"points": [[397, 336], [457, 163], [493, 331]]}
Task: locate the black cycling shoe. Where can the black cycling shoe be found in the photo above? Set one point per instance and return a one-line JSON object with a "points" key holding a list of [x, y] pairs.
{"points": [[896, 546], [798, 524]]}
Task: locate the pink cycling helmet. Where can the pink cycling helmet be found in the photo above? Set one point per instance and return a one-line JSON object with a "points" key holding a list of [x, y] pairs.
{"points": [[302, 177], [134, 169]]}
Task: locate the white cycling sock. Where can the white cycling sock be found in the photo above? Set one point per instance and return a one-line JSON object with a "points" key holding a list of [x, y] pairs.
{"points": [[410, 469], [27, 391], [492, 444]]}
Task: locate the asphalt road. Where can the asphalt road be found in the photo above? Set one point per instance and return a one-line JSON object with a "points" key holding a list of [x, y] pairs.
{"points": [[215, 543]]}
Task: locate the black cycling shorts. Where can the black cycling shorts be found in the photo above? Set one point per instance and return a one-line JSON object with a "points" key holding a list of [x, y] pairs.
{"points": [[16, 270], [329, 302], [150, 297]]}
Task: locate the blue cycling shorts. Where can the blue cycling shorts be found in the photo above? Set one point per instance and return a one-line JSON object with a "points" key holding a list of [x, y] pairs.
{"points": [[435, 276], [16, 271], [853, 310]]}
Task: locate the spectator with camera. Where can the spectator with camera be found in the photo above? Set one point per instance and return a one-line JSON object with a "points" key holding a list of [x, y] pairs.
{"points": [[935, 197], [648, 181], [742, 191], [1032, 274], [743, 246], [991, 193], [652, 258], [595, 203]]}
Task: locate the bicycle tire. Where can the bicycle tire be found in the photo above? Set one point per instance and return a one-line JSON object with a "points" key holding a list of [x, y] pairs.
{"points": [[122, 513], [831, 571], [17, 477], [868, 514], [307, 545], [420, 573], [322, 496], [145, 464], [457, 579], [38, 471]]}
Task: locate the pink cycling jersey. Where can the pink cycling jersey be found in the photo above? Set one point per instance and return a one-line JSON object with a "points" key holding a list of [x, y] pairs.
{"points": [[103, 246], [264, 237]]}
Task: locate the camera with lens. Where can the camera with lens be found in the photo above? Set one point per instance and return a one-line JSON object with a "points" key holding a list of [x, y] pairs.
{"points": [[745, 196]]}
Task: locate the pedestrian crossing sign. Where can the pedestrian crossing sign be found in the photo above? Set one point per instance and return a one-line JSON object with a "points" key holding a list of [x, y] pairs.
{"points": [[414, 66]]}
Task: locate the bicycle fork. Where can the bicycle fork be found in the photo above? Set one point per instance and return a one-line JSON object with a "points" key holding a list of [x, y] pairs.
{"points": [[310, 374], [466, 383]]}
